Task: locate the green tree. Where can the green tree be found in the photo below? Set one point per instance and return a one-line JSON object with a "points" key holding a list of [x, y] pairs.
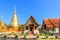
{"points": [[39, 30], [4, 38], [22, 27]]}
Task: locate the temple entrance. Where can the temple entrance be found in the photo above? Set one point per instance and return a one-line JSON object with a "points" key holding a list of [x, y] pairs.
{"points": [[31, 28]]}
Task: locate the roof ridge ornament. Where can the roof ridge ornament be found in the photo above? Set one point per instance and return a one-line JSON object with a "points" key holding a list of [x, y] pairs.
{"points": [[31, 14]]}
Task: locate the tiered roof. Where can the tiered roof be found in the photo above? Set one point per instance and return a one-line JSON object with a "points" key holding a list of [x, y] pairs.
{"points": [[51, 23]]}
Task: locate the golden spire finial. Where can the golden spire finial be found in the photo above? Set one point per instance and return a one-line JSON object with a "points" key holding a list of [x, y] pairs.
{"points": [[2, 21], [15, 10]]}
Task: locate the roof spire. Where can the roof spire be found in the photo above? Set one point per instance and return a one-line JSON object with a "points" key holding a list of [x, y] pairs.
{"points": [[31, 14]]}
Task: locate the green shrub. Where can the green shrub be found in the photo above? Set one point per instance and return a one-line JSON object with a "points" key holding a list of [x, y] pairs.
{"points": [[16, 37], [56, 37], [4, 37], [25, 35], [46, 36], [37, 36]]}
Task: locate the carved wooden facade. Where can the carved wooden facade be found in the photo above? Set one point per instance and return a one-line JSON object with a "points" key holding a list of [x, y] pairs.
{"points": [[31, 24]]}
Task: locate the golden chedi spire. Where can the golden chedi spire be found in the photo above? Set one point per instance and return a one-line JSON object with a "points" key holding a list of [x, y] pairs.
{"points": [[3, 27], [2, 22], [14, 21]]}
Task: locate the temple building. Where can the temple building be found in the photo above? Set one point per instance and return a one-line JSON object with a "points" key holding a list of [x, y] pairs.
{"points": [[31, 26], [51, 25]]}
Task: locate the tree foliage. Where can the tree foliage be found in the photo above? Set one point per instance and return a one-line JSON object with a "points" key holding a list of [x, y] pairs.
{"points": [[22, 27]]}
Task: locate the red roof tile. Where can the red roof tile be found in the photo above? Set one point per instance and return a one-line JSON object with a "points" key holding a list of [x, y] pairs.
{"points": [[51, 23]]}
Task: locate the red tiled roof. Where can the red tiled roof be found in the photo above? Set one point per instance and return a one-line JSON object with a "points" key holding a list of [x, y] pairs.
{"points": [[51, 23]]}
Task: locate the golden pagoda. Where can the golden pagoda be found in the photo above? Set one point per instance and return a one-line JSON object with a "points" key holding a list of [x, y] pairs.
{"points": [[14, 22], [3, 27]]}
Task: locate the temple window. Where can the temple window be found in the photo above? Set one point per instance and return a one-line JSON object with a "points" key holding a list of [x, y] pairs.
{"points": [[31, 22]]}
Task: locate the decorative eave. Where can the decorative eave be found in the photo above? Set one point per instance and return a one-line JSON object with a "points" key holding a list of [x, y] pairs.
{"points": [[31, 17]]}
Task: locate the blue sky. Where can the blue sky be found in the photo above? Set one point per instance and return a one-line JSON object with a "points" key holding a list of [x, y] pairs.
{"points": [[39, 9]]}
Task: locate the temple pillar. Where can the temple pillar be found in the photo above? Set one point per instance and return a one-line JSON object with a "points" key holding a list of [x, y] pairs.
{"points": [[29, 28], [34, 26]]}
